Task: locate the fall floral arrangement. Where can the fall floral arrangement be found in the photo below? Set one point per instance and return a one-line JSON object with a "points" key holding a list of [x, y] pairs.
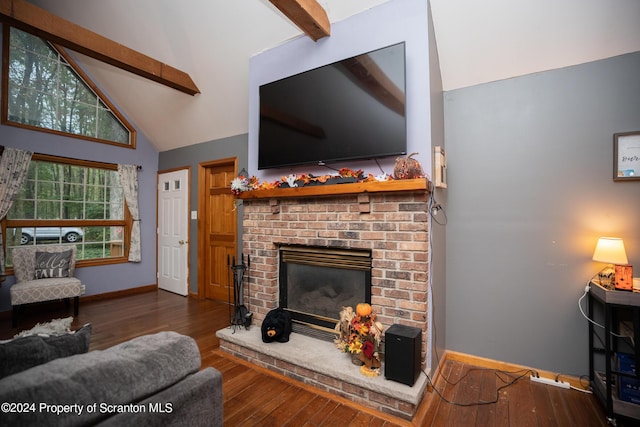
{"points": [[242, 183], [360, 335]]}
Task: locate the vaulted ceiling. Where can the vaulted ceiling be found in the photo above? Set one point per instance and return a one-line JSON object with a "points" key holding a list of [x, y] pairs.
{"points": [[212, 41]]}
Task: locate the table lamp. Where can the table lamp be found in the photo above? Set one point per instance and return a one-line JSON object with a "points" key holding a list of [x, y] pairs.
{"points": [[609, 250]]}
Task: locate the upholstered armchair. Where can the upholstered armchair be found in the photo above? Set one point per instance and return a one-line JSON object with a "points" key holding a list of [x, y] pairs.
{"points": [[44, 273]]}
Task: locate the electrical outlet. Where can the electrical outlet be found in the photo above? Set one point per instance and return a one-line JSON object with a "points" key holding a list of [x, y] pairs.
{"points": [[548, 381]]}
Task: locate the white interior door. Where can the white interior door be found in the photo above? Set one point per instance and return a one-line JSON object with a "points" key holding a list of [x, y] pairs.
{"points": [[173, 231]]}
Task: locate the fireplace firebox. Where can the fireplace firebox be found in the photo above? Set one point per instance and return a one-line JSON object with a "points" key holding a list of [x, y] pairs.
{"points": [[316, 282]]}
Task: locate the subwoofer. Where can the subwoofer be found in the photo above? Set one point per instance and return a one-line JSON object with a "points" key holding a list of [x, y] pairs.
{"points": [[403, 348]]}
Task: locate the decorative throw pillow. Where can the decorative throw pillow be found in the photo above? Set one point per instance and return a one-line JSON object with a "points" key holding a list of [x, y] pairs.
{"points": [[24, 353], [52, 264]]}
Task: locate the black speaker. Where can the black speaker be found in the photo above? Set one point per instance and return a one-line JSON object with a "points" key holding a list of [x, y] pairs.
{"points": [[403, 348]]}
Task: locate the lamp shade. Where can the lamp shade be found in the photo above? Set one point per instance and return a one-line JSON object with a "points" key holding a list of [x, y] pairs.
{"points": [[610, 250]]}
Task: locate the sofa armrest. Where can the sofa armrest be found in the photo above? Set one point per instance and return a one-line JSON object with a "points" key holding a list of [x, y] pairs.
{"points": [[126, 373]]}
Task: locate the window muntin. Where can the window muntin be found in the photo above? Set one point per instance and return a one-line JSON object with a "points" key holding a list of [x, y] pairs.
{"points": [[69, 202], [47, 91]]}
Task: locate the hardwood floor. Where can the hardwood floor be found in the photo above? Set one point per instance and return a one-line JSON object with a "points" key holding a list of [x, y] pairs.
{"points": [[256, 397]]}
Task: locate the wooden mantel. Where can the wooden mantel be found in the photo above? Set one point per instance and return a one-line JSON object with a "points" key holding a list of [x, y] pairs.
{"points": [[419, 184]]}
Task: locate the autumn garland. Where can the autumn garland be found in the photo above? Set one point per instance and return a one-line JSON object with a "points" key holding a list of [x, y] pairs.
{"points": [[241, 184]]}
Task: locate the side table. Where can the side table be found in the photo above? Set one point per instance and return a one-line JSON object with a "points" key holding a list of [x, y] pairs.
{"points": [[619, 313]]}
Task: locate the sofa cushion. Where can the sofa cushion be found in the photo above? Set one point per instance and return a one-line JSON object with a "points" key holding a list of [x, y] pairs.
{"points": [[52, 264], [45, 290], [195, 401], [23, 353], [125, 373]]}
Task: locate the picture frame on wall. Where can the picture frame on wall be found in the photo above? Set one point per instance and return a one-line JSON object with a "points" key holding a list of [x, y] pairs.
{"points": [[626, 156]]}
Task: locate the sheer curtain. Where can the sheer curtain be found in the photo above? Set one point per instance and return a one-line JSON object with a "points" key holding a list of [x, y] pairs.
{"points": [[14, 164], [129, 180]]}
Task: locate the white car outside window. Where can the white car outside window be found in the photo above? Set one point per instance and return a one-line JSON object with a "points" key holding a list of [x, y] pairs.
{"points": [[68, 234]]}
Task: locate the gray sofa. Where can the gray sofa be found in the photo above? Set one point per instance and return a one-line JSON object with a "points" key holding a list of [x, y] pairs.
{"points": [[152, 380]]}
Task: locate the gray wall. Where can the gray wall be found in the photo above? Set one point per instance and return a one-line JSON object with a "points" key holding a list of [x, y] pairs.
{"points": [[530, 191], [193, 155]]}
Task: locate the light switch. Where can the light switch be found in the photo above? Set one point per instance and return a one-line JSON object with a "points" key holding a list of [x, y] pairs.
{"points": [[194, 214]]}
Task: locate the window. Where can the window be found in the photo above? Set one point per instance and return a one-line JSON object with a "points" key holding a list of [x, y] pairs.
{"points": [[48, 91], [71, 202]]}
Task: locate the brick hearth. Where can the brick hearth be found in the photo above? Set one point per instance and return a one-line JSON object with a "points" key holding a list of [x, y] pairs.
{"points": [[393, 225]]}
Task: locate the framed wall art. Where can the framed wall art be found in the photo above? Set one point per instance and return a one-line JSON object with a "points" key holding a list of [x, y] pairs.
{"points": [[626, 156]]}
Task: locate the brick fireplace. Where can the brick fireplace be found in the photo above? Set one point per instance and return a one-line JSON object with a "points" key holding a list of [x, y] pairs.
{"points": [[389, 220]]}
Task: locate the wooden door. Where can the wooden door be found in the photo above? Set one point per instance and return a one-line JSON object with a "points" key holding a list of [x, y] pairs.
{"points": [[220, 230]]}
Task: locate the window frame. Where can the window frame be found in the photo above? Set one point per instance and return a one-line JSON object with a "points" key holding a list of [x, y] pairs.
{"points": [[127, 221], [4, 107]]}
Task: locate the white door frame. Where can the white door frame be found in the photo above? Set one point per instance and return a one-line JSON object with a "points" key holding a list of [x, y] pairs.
{"points": [[173, 230]]}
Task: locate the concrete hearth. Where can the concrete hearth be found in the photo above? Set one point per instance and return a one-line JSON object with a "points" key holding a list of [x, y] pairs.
{"points": [[320, 364]]}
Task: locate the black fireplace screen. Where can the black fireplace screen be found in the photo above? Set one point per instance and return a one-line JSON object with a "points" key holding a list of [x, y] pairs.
{"points": [[315, 283]]}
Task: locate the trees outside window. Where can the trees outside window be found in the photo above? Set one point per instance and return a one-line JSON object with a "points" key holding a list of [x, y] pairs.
{"points": [[47, 91], [64, 201]]}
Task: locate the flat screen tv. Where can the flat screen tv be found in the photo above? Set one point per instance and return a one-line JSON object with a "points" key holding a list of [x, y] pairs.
{"points": [[351, 109]]}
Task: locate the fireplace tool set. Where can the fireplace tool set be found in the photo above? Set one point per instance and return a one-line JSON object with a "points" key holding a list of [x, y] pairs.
{"points": [[241, 316]]}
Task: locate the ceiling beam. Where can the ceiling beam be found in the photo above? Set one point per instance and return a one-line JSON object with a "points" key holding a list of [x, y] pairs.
{"points": [[308, 15], [39, 22]]}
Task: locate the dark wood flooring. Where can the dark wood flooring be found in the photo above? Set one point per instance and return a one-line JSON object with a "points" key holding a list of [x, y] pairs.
{"points": [[256, 397]]}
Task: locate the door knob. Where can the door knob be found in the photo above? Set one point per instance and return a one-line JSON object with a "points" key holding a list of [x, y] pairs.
{"points": [[182, 242]]}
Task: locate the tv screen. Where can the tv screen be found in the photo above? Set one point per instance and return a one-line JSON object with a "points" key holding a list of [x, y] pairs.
{"points": [[351, 109]]}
